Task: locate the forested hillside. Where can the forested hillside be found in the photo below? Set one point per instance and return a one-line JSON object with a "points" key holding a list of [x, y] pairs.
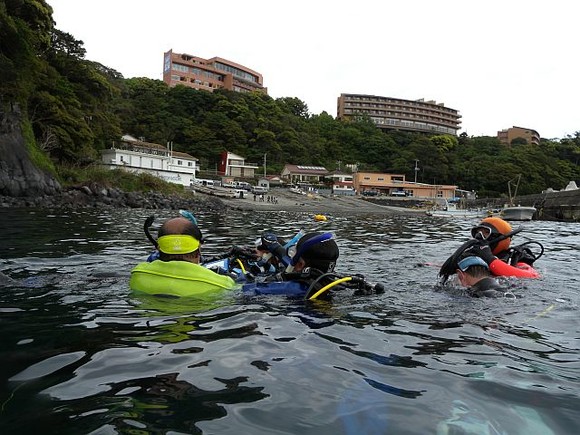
{"points": [[73, 108]]}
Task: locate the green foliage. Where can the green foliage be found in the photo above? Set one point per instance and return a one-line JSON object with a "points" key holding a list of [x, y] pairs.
{"points": [[39, 158], [25, 27], [76, 107], [127, 181]]}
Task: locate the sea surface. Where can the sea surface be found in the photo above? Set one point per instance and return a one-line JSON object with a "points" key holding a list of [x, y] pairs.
{"points": [[81, 354]]}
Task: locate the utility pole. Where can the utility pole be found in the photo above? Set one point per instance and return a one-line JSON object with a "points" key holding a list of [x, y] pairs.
{"points": [[416, 170], [265, 154]]}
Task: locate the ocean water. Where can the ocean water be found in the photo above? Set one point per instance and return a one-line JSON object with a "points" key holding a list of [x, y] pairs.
{"points": [[81, 354]]}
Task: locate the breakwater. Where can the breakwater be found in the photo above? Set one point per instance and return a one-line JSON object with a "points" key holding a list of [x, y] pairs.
{"points": [[555, 206]]}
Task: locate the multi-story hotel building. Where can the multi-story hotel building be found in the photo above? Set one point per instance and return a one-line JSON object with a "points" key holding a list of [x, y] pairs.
{"points": [[506, 136], [209, 74], [397, 114]]}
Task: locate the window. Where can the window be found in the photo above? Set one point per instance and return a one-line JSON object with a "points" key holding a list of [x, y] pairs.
{"points": [[190, 164], [179, 162], [178, 67]]}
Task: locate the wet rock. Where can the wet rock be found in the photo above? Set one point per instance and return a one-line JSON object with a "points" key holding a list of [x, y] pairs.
{"points": [[19, 177]]}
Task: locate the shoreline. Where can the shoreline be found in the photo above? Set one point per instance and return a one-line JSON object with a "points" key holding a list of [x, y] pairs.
{"points": [[93, 195], [317, 204]]}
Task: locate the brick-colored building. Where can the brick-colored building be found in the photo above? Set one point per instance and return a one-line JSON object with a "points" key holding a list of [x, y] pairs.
{"points": [[507, 135], [397, 114], [209, 74], [396, 185], [297, 174]]}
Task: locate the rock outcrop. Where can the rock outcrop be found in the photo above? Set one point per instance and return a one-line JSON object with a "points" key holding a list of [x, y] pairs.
{"points": [[93, 195], [19, 177]]}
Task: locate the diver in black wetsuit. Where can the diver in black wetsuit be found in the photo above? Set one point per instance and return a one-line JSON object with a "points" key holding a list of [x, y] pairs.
{"points": [[309, 270], [474, 274], [309, 264]]}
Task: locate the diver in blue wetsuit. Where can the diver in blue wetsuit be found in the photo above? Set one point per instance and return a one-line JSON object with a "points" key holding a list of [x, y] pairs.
{"points": [[309, 266]]}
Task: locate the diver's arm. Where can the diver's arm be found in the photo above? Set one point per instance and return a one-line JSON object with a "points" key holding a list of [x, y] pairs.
{"points": [[501, 268]]}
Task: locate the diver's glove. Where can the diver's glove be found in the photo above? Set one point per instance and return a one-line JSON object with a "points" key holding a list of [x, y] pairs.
{"points": [[363, 287], [483, 251], [270, 241]]}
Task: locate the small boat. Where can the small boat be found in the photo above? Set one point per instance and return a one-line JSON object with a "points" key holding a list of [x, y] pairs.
{"points": [[297, 190], [451, 210], [518, 213], [513, 212]]}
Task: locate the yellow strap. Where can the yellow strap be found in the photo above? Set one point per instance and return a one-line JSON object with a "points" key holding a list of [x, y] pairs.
{"points": [[328, 286], [241, 266], [177, 244]]}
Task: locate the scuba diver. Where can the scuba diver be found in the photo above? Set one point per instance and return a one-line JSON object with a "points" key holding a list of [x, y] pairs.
{"points": [[309, 270], [301, 267], [177, 271], [490, 241], [473, 273]]}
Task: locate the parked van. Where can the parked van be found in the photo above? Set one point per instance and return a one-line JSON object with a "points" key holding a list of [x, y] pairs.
{"points": [[203, 182], [243, 185], [259, 190]]}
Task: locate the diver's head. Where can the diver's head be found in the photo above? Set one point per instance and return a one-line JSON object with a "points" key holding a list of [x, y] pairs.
{"points": [[316, 250], [179, 240], [490, 229], [471, 269]]}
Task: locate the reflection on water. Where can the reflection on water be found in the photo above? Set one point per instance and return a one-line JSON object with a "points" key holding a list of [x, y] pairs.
{"points": [[82, 354]]}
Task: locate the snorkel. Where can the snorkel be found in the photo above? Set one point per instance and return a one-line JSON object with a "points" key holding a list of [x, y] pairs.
{"points": [[146, 226], [294, 240]]}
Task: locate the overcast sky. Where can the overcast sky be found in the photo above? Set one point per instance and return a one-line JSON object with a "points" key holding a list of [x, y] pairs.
{"points": [[500, 63]]}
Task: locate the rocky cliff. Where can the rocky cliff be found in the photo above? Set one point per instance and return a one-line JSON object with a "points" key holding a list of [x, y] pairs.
{"points": [[19, 177]]}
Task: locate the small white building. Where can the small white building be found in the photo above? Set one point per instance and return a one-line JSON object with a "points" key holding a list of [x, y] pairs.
{"points": [[138, 156], [233, 165], [264, 182], [342, 183]]}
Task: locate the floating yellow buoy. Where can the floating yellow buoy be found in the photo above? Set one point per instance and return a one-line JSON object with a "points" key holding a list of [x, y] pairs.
{"points": [[319, 218]]}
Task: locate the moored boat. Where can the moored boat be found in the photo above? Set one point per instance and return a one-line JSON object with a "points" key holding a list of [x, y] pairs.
{"points": [[518, 213], [451, 210], [513, 212]]}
